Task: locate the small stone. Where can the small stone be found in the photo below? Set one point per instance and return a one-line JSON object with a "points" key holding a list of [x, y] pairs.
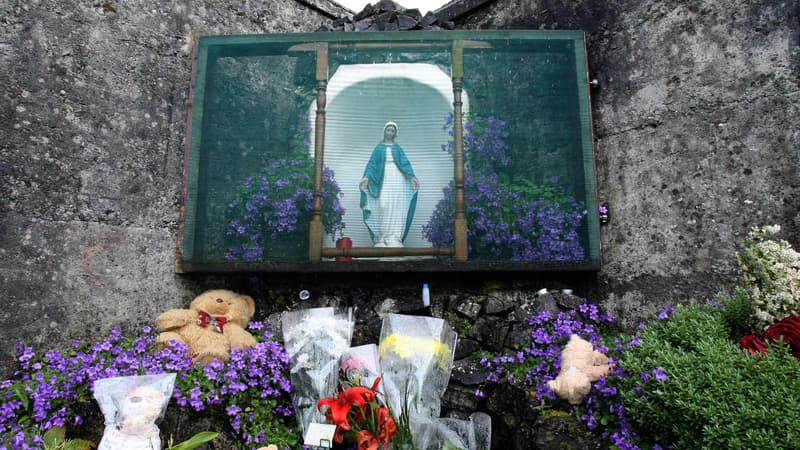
{"points": [[520, 334], [492, 332], [555, 431], [498, 304], [414, 14], [469, 371], [466, 347], [545, 302], [568, 301], [429, 19], [510, 403], [387, 306], [388, 5], [459, 398], [469, 308], [405, 22], [368, 10], [383, 19]]}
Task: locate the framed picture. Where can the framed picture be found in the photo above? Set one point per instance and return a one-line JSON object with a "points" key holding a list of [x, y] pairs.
{"points": [[423, 151]]}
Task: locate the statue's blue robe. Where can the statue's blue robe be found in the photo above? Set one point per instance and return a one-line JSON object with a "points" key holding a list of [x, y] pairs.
{"points": [[374, 173]]}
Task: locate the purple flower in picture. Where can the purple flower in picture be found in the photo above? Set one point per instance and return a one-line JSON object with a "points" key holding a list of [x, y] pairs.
{"points": [[516, 220], [270, 218]]}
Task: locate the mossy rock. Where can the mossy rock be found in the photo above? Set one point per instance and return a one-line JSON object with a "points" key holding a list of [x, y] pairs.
{"points": [[558, 430]]}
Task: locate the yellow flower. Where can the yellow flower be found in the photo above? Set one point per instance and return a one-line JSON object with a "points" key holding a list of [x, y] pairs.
{"points": [[408, 346]]}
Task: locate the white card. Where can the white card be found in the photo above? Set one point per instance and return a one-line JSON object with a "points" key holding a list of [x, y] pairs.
{"points": [[320, 435]]}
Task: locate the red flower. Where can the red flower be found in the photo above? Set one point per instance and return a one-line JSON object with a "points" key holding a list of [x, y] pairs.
{"points": [[789, 330], [753, 344], [358, 415], [339, 407], [386, 429], [386, 426], [367, 441]]}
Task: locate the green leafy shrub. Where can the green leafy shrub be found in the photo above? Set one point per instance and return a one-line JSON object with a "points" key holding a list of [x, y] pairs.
{"points": [[736, 313], [687, 384]]}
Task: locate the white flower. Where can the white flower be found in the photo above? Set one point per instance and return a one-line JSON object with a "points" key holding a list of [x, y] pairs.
{"points": [[770, 275]]}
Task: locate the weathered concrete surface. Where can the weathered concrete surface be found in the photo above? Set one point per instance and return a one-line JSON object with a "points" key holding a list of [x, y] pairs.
{"points": [[697, 133], [697, 138], [93, 110]]}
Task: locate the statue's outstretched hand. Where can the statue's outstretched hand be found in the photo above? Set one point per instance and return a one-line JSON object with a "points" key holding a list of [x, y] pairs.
{"points": [[415, 184]]}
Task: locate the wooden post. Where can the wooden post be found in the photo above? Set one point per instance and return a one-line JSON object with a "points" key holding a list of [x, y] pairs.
{"points": [[458, 156], [315, 233]]}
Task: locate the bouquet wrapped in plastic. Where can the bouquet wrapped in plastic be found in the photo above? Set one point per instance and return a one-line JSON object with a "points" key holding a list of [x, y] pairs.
{"points": [[453, 434], [360, 366], [131, 406], [416, 356], [315, 340]]}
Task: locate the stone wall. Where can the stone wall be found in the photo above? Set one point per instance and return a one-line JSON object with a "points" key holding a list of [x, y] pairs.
{"points": [[696, 121]]}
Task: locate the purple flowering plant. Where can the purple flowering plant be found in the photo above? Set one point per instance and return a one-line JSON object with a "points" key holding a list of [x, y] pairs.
{"points": [[251, 390], [538, 361], [509, 219], [269, 215]]}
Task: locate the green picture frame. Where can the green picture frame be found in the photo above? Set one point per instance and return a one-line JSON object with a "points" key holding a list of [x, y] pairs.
{"points": [[491, 151]]}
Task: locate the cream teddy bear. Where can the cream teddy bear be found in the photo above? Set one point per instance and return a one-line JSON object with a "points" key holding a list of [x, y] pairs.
{"points": [[215, 323], [581, 364]]}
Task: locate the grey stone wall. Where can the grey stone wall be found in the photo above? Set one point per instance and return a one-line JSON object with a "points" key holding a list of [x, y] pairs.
{"points": [[696, 122]]}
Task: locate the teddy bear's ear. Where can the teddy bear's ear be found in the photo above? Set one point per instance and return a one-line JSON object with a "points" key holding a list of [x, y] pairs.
{"points": [[251, 305]]}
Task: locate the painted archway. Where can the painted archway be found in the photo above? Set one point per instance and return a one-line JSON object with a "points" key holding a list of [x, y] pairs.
{"points": [[361, 99]]}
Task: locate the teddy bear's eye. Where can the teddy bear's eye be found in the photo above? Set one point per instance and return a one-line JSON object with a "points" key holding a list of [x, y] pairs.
{"points": [[219, 300]]}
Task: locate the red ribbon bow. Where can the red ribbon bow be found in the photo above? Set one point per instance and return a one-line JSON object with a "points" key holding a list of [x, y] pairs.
{"points": [[207, 319]]}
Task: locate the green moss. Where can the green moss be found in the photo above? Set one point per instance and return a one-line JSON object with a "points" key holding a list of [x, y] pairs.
{"points": [[108, 7], [554, 413]]}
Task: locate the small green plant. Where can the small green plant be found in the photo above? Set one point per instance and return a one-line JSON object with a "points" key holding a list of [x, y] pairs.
{"points": [[195, 441], [736, 313], [464, 328], [55, 439]]}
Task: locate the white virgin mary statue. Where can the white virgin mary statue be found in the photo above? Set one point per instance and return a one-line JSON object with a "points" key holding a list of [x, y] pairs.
{"points": [[388, 192]]}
